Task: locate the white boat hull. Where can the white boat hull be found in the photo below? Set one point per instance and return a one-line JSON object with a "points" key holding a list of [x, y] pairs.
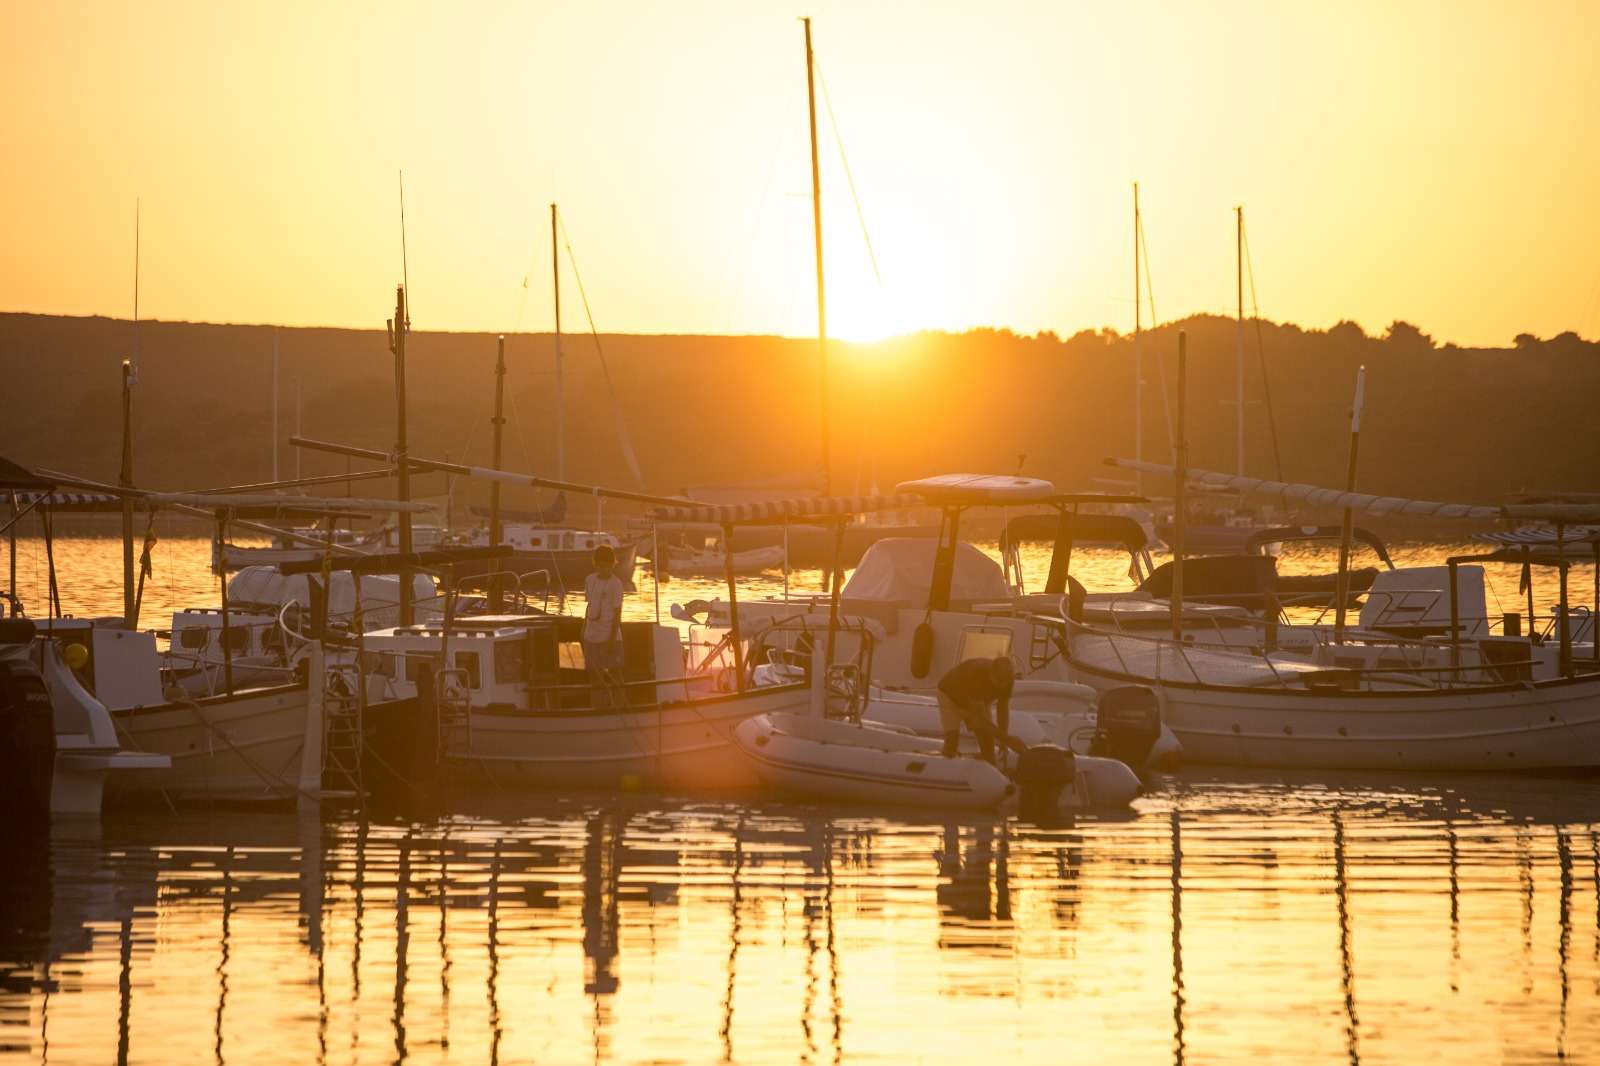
{"points": [[244, 747], [675, 745], [1532, 726], [837, 760], [873, 764]]}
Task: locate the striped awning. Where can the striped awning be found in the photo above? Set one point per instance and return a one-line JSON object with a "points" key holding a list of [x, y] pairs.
{"points": [[1541, 536], [778, 510]]}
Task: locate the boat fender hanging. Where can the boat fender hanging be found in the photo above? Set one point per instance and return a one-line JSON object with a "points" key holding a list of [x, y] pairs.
{"points": [[921, 650]]}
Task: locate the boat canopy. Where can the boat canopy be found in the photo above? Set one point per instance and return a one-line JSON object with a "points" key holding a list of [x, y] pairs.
{"points": [[947, 490], [1116, 530]]}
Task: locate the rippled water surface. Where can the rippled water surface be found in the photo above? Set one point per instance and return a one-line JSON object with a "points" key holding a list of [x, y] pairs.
{"points": [[1230, 917], [1227, 919]]}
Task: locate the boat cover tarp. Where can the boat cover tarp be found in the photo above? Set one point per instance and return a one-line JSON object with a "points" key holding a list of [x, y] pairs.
{"points": [[900, 569]]}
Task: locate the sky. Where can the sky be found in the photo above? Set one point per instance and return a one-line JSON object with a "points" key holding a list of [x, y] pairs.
{"points": [[1434, 162]]}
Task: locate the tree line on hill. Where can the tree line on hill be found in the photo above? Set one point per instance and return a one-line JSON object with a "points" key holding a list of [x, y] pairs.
{"points": [[1439, 422]]}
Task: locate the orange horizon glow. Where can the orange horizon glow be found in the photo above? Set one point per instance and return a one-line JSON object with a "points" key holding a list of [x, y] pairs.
{"points": [[1429, 162]]}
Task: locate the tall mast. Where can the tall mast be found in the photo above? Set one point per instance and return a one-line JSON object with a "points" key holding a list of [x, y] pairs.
{"points": [[555, 277], [1239, 396], [1138, 371], [398, 328], [822, 303], [494, 486], [130, 378]]}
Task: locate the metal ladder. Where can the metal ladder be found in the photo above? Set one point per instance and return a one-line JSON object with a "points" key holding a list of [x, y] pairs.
{"points": [[454, 714], [341, 729]]}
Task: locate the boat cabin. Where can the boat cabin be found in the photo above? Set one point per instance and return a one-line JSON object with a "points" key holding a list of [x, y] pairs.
{"points": [[528, 662]]}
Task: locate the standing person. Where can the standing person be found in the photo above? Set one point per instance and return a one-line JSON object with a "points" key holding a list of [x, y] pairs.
{"points": [[965, 693], [602, 626]]}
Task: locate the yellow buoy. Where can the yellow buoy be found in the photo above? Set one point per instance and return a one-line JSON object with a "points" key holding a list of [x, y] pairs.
{"points": [[75, 655], [631, 783]]}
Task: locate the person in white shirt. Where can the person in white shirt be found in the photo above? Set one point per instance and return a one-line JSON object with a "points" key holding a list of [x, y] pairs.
{"points": [[602, 629]]}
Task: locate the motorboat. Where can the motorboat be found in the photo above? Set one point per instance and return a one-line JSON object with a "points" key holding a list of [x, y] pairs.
{"points": [[1419, 681], [62, 746], [939, 601], [873, 762]]}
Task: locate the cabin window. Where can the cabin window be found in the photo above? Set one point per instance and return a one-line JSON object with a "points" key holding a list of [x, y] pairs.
{"points": [[984, 644], [236, 640], [570, 656], [415, 663], [467, 663], [507, 663]]}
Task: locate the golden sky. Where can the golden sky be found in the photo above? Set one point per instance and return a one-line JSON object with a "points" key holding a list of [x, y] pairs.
{"points": [[1436, 162]]}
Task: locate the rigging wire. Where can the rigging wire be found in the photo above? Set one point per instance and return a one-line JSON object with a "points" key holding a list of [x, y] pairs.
{"points": [[785, 103], [622, 428], [1261, 347], [1161, 363], [861, 217]]}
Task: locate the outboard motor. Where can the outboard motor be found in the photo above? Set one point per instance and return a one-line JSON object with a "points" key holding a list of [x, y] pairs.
{"points": [[1041, 772], [1127, 725], [27, 743]]}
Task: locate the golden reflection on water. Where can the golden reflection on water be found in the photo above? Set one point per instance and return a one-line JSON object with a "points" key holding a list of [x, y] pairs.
{"points": [[89, 569], [1229, 918], [1234, 916]]}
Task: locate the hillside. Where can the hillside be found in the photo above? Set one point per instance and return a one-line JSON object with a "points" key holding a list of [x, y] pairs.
{"points": [[1440, 423]]}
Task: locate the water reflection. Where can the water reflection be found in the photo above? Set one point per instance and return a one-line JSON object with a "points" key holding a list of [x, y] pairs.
{"points": [[1232, 919]]}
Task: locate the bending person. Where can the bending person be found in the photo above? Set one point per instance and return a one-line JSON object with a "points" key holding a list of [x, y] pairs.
{"points": [[965, 695]]}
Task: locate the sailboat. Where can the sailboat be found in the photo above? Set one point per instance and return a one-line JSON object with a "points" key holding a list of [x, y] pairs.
{"points": [[808, 545], [1226, 525], [546, 555]]}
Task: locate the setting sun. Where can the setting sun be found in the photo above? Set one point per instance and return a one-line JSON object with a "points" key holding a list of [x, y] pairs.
{"points": [[988, 161]]}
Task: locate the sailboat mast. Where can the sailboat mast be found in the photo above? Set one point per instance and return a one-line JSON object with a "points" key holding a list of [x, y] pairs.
{"points": [[555, 278], [130, 378], [822, 303], [1138, 368], [397, 344], [494, 486], [1239, 395]]}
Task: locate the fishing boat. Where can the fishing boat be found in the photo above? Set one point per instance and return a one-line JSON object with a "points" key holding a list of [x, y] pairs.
{"points": [[517, 704]]}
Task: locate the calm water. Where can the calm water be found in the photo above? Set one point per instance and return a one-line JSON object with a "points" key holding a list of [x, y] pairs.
{"points": [[1231, 917]]}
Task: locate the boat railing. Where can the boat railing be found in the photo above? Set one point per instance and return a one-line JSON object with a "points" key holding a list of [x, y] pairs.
{"points": [[1351, 664], [524, 587]]}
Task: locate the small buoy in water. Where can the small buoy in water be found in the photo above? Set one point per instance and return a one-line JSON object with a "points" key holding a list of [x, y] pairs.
{"points": [[631, 783], [75, 655]]}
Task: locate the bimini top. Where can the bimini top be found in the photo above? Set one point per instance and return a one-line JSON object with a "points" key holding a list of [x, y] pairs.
{"points": [[948, 489]]}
